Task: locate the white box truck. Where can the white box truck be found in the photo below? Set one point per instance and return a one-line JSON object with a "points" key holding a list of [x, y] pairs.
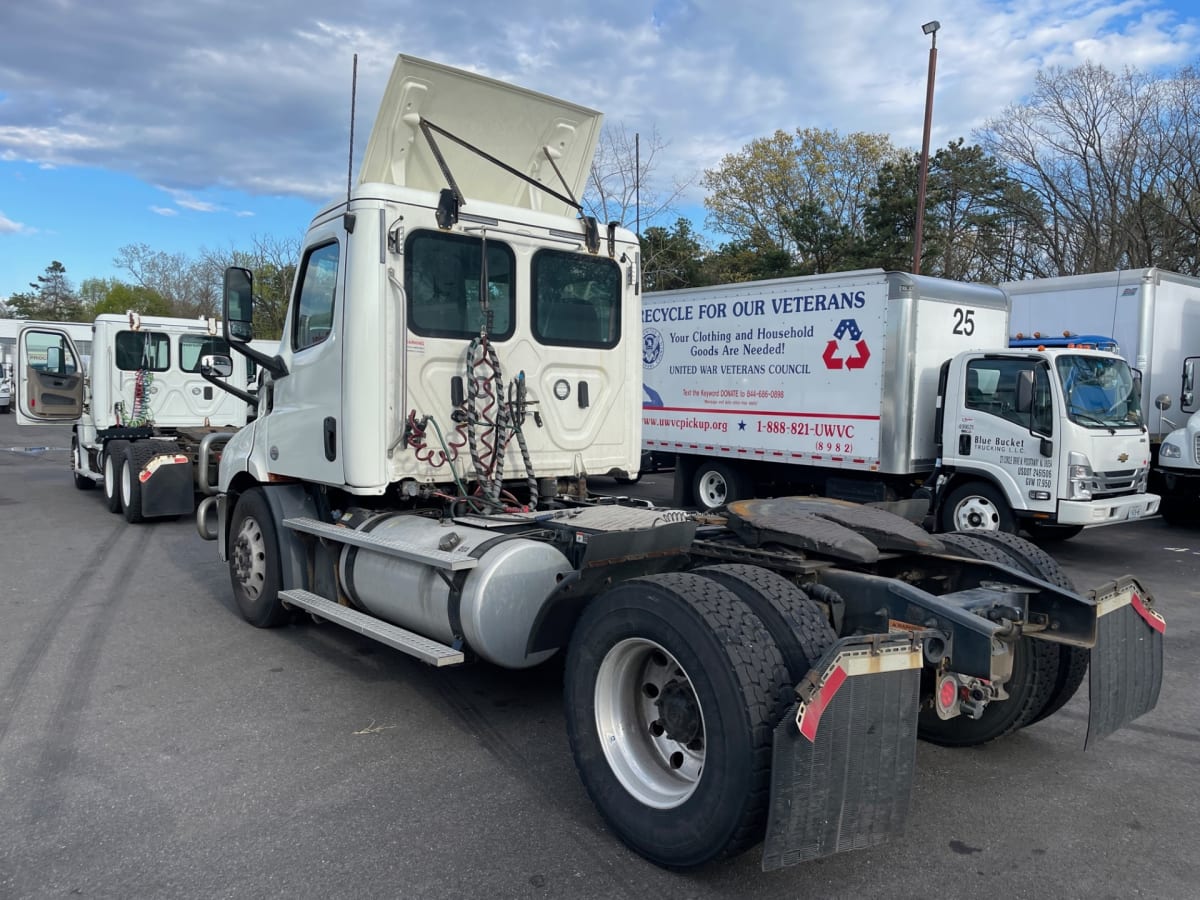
{"points": [[147, 418], [1154, 315], [462, 346], [881, 386]]}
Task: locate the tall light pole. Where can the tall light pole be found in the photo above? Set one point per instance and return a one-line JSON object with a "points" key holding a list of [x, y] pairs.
{"points": [[931, 29]]}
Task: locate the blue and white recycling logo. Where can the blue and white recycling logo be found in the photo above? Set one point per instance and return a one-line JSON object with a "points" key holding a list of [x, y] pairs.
{"points": [[652, 348]]}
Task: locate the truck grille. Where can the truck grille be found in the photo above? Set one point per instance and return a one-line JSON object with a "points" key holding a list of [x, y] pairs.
{"points": [[1196, 449], [1118, 481]]}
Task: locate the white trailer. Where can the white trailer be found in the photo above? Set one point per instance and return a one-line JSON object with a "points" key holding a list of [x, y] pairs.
{"points": [[880, 386], [144, 412], [1153, 314], [462, 347]]}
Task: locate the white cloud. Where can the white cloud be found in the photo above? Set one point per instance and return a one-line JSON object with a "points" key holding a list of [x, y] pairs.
{"points": [[164, 211], [8, 226], [265, 109]]}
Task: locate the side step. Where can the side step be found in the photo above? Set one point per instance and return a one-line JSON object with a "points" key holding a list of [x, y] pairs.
{"points": [[439, 559], [401, 638]]}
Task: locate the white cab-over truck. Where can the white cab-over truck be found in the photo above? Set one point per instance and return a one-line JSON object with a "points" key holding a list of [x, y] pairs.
{"points": [[145, 414], [1154, 315], [462, 348], [879, 386]]}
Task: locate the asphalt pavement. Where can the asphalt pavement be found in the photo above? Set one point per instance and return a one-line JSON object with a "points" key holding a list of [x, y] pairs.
{"points": [[152, 744]]}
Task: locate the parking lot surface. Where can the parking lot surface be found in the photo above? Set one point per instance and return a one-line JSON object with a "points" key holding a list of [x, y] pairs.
{"points": [[152, 744]]}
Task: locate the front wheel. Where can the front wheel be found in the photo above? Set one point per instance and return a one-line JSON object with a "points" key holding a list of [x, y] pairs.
{"points": [[254, 569], [977, 506], [718, 483], [673, 689], [1047, 533], [82, 482]]}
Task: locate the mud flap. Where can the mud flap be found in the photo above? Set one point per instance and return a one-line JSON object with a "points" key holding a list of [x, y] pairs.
{"points": [[1127, 660], [842, 769], [168, 486]]}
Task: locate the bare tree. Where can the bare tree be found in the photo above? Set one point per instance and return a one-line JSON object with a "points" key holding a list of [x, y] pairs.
{"points": [[1110, 164], [622, 186]]}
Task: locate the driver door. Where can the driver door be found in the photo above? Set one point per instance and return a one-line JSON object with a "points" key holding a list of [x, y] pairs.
{"points": [[50, 377]]}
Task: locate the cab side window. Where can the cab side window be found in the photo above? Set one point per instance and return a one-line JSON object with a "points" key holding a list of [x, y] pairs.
{"points": [[1002, 388], [317, 295]]}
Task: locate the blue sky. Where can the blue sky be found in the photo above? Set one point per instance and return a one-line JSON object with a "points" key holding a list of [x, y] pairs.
{"points": [[203, 124]]}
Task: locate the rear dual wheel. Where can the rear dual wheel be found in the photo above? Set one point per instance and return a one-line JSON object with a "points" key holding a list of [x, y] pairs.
{"points": [[134, 461], [1044, 676], [114, 458], [673, 690]]}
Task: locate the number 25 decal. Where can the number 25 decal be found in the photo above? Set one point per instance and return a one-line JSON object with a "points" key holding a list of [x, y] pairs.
{"points": [[964, 321]]}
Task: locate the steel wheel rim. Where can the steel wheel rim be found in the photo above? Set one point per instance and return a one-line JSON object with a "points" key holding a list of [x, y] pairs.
{"points": [[250, 558], [110, 486], [976, 514], [126, 482], [637, 679], [713, 489]]}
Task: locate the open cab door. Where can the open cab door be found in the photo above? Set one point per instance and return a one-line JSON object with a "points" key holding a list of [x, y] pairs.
{"points": [[50, 377]]}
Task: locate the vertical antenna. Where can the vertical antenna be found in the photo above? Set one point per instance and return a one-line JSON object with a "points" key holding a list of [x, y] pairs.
{"points": [[637, 180], [353, 100]]}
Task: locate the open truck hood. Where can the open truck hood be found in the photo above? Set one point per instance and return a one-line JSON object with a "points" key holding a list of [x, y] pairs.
{"points": [[507, 122]]}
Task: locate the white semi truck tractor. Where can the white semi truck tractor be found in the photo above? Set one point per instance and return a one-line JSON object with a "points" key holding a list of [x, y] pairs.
{"points": [[463, 347]]}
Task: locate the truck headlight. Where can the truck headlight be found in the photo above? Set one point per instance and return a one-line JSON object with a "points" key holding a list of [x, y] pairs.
{"points": [[1080, 475], [1169, 451]]}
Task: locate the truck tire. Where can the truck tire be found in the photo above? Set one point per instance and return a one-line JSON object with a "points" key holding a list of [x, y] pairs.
{"points": [[799, 628], [1176, 511], [1035, 667], [110, 465], [977, 506], [1072, 661], [138, 454], [1046, 533], [254, 569], [673, 688], [82, 482], [717, 483]]}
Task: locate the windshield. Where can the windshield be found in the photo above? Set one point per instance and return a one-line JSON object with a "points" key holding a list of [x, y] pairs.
{"points": [[1101, 391]]}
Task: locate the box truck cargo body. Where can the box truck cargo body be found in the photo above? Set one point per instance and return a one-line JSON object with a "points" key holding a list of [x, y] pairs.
{"points": [[1153, 314], [875, 386]]}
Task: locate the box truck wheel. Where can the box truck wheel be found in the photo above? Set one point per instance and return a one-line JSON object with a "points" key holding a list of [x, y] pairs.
{"points": [[977, 506], [672, 691], [77, 457], [717, 483], [254, 568], [114, 455], [1040, 532], [1072, 661]]}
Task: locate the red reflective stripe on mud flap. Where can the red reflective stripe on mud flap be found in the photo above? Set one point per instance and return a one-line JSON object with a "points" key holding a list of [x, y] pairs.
{"points": [[1153, 619], [811, 717]]}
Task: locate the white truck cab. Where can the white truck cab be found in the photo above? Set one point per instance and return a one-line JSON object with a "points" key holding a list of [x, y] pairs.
{"points": [[1059, 433], [430, 338], [143, 401]]}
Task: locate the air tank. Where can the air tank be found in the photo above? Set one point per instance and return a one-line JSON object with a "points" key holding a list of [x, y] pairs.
{"points": [[497, 601]]}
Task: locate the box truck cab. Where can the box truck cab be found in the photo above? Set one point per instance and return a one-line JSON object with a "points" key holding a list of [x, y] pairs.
{"points": [[880, 386], [1044, 438]]}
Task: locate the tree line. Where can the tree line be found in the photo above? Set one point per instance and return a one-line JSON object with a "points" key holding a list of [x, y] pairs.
{"points": [[1094, 171]]}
